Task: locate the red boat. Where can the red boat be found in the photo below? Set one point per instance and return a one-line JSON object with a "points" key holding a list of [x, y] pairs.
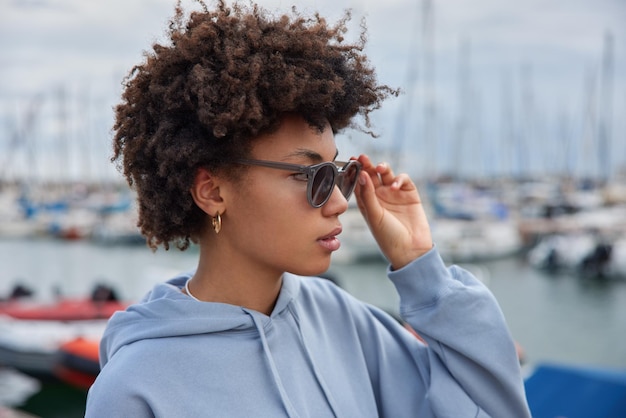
{"points": [[63, 310], [101, 305], [78, 362], [58, 339]]}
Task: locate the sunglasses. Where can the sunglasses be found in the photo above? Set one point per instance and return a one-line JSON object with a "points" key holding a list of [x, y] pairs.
{"points": [[321, 178]]}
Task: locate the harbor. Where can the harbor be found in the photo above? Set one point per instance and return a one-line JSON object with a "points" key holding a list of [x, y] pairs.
{"points": [[556, 318], [536, 245], [506, 119]]}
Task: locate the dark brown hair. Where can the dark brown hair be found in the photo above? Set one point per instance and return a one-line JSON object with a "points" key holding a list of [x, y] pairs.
{"points": [[225, 77]]}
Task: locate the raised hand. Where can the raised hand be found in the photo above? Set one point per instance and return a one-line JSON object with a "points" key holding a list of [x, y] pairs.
{"points": [[392, 207]]}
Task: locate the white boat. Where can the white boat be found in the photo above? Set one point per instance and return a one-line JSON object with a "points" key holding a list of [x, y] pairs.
{"points": [[561, 251], [605, 220], [15, 388], [585, 253], [31, 346], [118, 228], [476, 240], [457, 240]]}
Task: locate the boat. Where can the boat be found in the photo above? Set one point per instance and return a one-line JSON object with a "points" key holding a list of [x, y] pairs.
{"points": [[62, 310], [15, 389], [572, 391], [78, 362], [462, 241], [561, 251], [607, 221], [35, 337], [584, 253], [101, 304], [457, 240], [118, 228], [31, 346]]}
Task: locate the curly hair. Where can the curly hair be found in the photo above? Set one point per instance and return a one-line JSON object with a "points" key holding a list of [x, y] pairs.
{"points": [[225, 77]]}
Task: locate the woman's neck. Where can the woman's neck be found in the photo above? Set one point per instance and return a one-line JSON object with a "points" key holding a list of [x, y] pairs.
{"points": [[216, 280]]}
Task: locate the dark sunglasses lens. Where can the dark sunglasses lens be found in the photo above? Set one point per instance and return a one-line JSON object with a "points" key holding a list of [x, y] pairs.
{"points": [[322, 187], [348, 179]]}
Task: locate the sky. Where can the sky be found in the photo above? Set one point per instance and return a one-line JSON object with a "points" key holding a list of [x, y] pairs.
{"points": [[490, 87]]}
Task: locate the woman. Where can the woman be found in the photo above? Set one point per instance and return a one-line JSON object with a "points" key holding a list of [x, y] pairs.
{"points": [[227, 134]]}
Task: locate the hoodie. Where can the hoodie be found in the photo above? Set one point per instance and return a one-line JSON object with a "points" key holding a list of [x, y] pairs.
{"points": [[320, 353]]}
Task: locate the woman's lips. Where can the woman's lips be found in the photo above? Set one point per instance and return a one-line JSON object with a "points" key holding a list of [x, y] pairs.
{"points": [[330, 241]]}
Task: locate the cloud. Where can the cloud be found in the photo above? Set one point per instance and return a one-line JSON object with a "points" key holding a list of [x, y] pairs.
{"points": [[556, 44]]}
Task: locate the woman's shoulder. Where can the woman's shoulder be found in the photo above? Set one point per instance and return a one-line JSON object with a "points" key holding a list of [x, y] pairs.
{"points": [[326, 287], [326, 296]]}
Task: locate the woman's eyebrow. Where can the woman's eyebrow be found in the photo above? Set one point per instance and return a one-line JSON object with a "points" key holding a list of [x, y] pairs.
{"points": [[310, 155]]}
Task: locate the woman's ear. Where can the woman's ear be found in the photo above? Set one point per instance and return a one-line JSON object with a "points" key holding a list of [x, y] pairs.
{"points": [[206, 192]]}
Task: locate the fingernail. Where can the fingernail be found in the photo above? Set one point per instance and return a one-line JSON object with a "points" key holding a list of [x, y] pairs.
{"points": [[362, 179]]}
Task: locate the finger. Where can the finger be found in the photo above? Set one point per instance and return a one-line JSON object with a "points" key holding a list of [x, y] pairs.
{"points": [[403, 182], [385, 173], [365, 160], [366, 196], [370, 169]]}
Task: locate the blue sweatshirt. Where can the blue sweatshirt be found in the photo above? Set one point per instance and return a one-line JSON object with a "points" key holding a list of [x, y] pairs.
{"points": [[321, 353]]}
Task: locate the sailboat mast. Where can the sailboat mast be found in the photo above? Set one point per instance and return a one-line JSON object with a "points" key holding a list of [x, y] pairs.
{"points": [[429, 91], [606, 110]]}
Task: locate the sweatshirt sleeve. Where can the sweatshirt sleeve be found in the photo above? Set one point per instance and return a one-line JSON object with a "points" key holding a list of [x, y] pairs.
{"points": [[468, 340]]}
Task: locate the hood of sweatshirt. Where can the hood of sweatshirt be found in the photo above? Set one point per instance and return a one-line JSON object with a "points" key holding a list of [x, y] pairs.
{"points": [[167, 312]]}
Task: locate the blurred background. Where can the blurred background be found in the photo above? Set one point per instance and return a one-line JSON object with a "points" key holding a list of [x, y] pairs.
{"points": [[511, 121]]}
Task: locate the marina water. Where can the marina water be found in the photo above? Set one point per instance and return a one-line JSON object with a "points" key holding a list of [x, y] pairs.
{"points": [[554, 318]]}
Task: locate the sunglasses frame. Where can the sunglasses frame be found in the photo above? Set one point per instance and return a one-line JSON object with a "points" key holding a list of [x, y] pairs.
{"points": [[339, 170]]}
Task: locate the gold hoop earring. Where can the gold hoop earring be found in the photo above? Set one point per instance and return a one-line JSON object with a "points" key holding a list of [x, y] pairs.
{"points": [[216, 223]]}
